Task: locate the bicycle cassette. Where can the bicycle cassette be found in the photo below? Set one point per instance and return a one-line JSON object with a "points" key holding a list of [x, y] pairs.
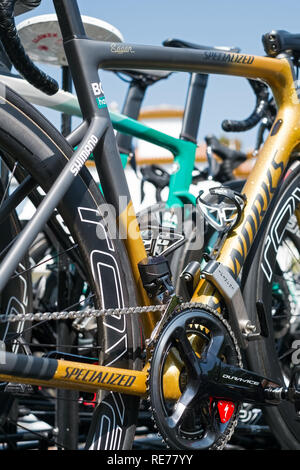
{"points": [[187, 415]]}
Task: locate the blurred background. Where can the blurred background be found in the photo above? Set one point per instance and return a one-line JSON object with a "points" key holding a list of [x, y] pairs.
{"points": [[213, 23]]}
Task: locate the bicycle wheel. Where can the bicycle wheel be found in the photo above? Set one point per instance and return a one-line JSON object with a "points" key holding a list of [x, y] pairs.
{"points": [[16, 298], [38, 149], [271, 275]]}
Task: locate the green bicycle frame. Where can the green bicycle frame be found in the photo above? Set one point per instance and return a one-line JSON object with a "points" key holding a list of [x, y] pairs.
{"points": [[184, 151]]}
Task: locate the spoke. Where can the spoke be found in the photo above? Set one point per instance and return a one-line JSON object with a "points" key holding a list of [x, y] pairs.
{"points": [[292, 253], [41, 436], [49, 345], [186, 352], [5, 250], [43, 262], [10, 203], [287, 353], [17, 335], [8, 183]]}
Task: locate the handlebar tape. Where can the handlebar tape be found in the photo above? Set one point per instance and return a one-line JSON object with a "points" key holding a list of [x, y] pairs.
{"points": [[16, 52]]}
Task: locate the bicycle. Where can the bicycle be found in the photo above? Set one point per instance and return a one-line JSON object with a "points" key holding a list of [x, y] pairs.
{"points": [[185, 153], [197, 338]]}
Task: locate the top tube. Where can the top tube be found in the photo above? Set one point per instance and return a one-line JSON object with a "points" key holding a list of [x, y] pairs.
{"points": [[277, 73]]}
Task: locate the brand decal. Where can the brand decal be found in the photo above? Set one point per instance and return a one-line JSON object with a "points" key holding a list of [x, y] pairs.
{"points": [[293, 227], [277, 231], [97, 88], [229, 58], [240, 379], [226, 280], [84, 155], [98, 92], [101, 102], [93, 376], [249, 415], [252, 221], [121, 49]]}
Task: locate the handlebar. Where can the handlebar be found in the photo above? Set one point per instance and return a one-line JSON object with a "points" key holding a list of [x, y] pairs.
{"points": [[230, 159], [261, 92], [16, 53]]}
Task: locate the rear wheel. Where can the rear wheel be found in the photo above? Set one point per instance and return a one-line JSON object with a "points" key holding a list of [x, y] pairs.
{"points": [[31, 146]]}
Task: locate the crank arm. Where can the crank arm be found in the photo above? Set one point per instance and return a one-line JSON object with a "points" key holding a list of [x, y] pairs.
{"points": [[236, 384], [233, 383]]}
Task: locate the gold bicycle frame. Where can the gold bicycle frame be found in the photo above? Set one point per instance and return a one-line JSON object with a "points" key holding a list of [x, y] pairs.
{"points": [[259, 189]]}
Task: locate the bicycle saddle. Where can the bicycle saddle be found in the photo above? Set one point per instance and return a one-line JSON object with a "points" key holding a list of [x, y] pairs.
{"points": [[225, 153], [279, 41], [191, 45]]}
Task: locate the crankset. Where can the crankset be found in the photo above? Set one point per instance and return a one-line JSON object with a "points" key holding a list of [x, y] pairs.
{"points": [[198, 347]]}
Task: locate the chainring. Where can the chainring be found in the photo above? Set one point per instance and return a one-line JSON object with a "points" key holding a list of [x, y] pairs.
{"points": [[194, 421]]}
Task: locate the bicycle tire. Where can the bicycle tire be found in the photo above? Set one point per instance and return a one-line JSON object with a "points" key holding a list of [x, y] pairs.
{"points": [[261, 270], [43, 152]]}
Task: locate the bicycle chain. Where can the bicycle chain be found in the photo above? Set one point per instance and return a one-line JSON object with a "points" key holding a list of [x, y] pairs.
{"points": [[73, 315]]}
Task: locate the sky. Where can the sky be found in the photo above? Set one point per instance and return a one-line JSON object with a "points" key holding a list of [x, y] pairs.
{"points": [[214, 23]]}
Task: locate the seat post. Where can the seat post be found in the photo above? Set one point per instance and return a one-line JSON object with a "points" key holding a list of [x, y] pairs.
{"points": [[193, 106]]}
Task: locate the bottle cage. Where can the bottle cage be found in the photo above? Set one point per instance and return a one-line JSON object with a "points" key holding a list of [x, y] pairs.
{"points": [[221, 207]]}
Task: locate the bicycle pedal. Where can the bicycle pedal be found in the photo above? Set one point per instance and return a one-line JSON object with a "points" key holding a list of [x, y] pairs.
{"points": [[19, 389]]}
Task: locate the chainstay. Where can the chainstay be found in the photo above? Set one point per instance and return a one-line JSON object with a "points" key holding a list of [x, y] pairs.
{"points": [[89, 313]]}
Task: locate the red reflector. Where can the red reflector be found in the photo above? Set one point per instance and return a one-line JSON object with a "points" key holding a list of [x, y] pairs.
{"points": [[226, 409]]}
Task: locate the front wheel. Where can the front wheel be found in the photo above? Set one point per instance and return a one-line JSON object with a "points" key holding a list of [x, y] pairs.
{"points": [[272, 275]]}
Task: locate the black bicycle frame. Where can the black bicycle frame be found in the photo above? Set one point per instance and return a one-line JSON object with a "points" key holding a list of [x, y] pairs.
{"points": [[85, 57]]}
